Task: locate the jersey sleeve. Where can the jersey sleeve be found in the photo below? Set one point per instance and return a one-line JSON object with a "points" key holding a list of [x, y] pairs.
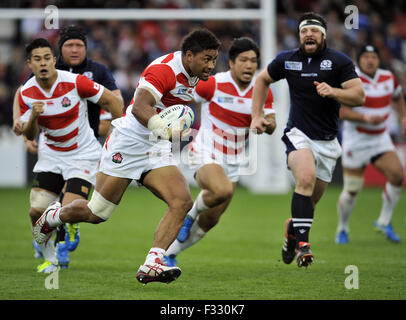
{"points": [[88, 89], [205, 90], [158, 79], [107, 79], [268, 107], [276, 68], [25, 110], [347, 70], [397, 88]]}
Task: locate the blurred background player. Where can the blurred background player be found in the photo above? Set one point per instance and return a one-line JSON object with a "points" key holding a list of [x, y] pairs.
{"points": [[218, 149], [139, 148], [367, 140], [319, 79], [54, 102], [73, 58]]}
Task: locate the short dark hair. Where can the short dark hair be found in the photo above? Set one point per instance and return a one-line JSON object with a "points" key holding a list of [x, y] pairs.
{"points": [[37, 43], [241, 45], [312, 15], [199, 40]]}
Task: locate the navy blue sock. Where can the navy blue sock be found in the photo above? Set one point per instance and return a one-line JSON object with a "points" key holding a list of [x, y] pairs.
{"points": [[302, 216]]}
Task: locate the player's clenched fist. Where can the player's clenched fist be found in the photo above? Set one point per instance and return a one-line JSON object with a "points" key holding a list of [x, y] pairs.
{"points": [[324, 90], [259, 124], [37, 108]]}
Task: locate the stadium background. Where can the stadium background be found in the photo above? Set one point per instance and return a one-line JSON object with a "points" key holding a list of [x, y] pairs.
{"points": [[250, 235]]}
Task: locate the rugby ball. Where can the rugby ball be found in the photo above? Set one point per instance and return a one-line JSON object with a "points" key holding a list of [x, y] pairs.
{"points": [[173, 116]]}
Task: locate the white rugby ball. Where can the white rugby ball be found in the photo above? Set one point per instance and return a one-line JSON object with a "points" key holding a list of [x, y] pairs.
{"points": [[173, 115]]}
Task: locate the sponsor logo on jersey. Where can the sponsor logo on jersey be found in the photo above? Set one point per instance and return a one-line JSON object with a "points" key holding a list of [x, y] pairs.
{"points": [[225, 99], [293, 65]]}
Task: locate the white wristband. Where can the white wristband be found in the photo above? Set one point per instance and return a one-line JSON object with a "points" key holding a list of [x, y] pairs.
{"points": [[159, 127]]}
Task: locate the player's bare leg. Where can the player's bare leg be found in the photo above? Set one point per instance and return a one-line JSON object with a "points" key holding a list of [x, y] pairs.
{"points": [[391, 167], [168, 184], [107, 195], [302, 164], [211, 203], [39, 200]]}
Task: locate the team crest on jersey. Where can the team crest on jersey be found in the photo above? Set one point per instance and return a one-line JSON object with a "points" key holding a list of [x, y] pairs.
{"points": [[293, 65], [117, 157], [326, 65], [88, 74], [65, 102]]}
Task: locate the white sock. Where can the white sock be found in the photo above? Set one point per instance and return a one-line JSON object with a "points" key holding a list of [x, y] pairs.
{"points": [[53, 218], [196, 234], [198, 206], [48, 250], [153, 254], [345, 206], [390, 197]]}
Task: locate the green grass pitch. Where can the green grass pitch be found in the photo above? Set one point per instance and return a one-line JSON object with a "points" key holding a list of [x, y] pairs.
{"points": [[239, 259]]}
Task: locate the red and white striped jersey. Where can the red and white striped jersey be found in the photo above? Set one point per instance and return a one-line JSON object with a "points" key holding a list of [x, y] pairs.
{"points": [[168, 81], [379, 92], [225, 114], [64, 122]]}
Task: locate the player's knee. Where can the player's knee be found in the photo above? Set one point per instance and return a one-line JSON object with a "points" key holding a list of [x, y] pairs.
{"points": [[306, 181], [353, 184], [41, 199], [223, 193], [181, 204], [35, 214], [101, 209], [396, 178]]}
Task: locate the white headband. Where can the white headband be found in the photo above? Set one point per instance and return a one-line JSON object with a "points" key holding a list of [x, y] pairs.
{"points": [[314, 24]]}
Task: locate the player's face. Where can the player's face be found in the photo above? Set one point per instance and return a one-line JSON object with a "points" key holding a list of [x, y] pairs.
{"points": [[244, 66], [42, 63], [369, 63], [202, 64], [311, 40], [73, 52]]}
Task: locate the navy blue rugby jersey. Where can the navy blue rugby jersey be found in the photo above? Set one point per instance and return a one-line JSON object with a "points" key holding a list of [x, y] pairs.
{"points": [[317, 117], [95, 71]]}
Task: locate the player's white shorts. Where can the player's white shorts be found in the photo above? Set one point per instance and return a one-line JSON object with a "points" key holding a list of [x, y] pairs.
{"points": [[69, 167], [325, 152], [198, 157], [360, 148], [129, 157]]}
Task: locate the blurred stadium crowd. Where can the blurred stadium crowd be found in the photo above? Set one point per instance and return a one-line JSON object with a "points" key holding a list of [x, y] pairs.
{"points": [[126, 47]]}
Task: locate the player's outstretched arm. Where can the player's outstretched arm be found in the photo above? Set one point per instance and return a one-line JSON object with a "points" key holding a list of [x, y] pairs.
{"points": [[351, 94], [110, 102], [398, 104], [259, 95]]}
